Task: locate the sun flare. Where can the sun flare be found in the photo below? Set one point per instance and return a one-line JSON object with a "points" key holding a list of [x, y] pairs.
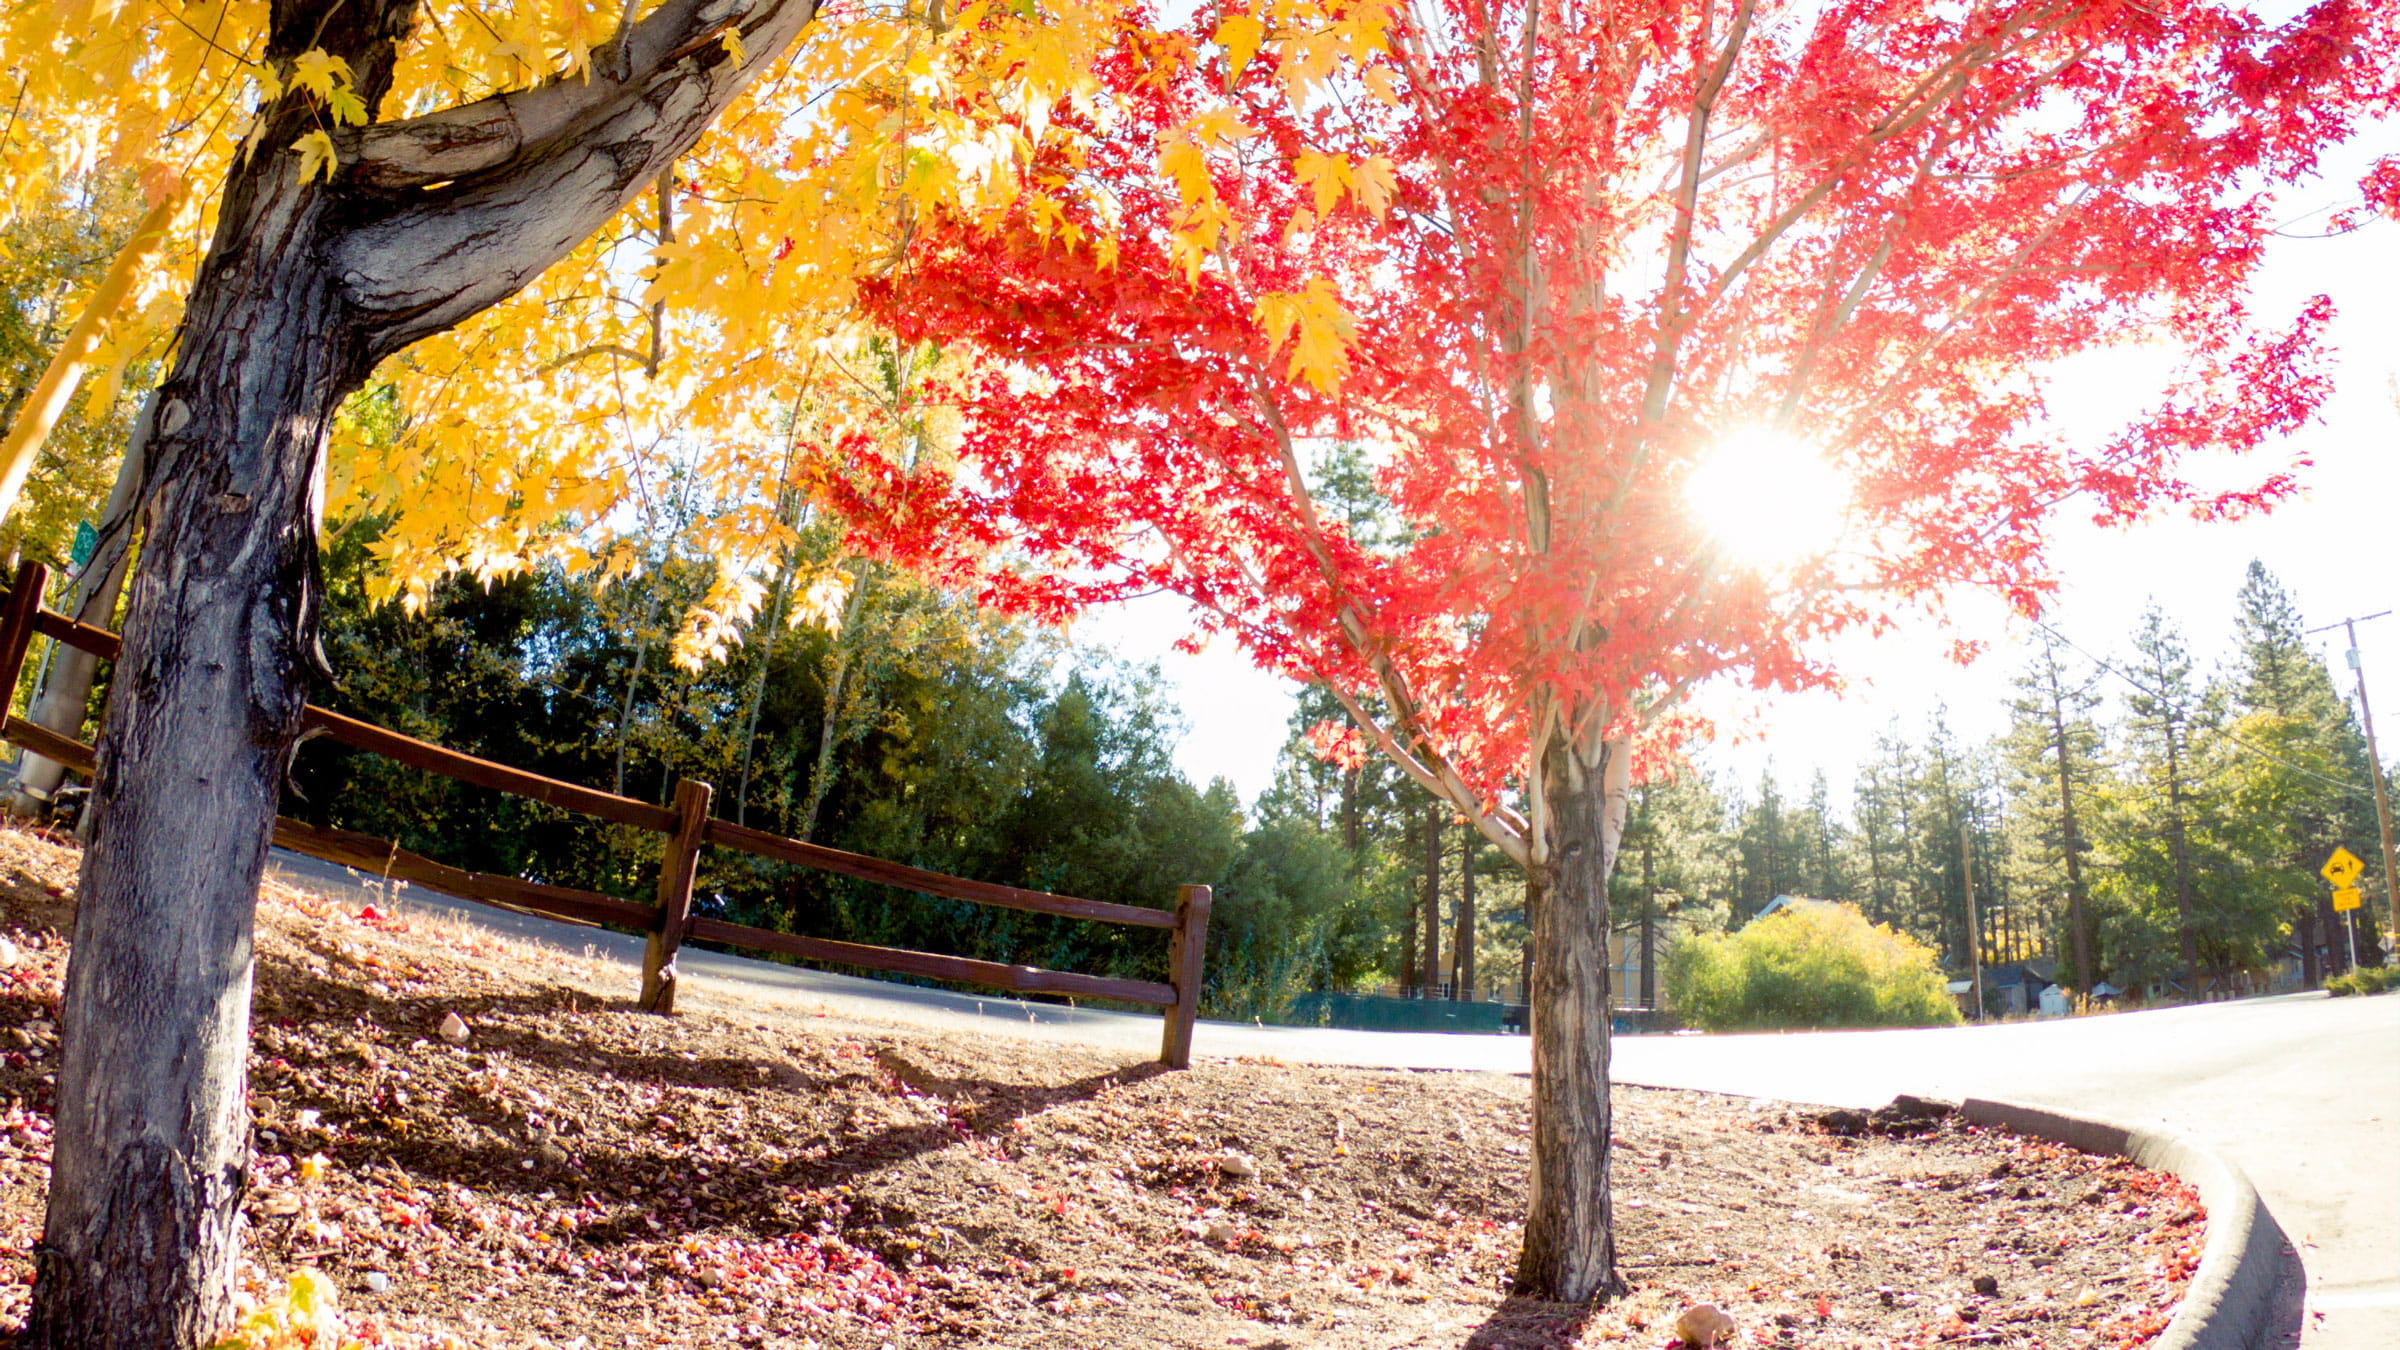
{"points": [[1768, 499]]}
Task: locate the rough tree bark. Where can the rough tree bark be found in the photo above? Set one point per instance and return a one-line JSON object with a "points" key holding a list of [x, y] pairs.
{"points": [[306, 286], [1570, 1252]]}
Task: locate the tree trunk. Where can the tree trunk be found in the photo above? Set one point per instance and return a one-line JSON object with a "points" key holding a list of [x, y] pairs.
{"points": [[829, 729], [2311, 973], [306, 285], [1433, 899], [773, 624], [1408, 924], [2337, 948], [67, 685], [1570, 1252], [1649, 921], [2079, 933], [633, 677], [1462, 939], [2187, 940], [152, 1148]]}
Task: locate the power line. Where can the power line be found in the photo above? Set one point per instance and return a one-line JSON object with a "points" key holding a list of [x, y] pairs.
{"points": [[2271, 757]]}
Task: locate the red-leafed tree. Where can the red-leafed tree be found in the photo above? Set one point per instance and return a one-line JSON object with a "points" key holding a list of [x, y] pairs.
{"points": [[1554, 264]]}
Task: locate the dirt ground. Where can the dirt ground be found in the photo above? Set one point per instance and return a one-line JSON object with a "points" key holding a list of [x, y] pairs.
{"points": [[580, 1175]]}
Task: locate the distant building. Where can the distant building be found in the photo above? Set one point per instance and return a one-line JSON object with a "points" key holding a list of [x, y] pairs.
{"points": [[1783, 902], [2009, 988]]}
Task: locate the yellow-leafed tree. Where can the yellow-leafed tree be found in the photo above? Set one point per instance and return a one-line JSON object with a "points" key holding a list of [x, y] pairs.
{"points": [[586, 252]]}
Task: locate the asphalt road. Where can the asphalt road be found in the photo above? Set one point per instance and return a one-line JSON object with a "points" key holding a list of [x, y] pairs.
{"points": [[2302, 1091]]}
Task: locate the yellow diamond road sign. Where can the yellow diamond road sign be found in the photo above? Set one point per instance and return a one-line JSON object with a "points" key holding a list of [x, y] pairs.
{"points": [[2342, 868], [2346, 898]]}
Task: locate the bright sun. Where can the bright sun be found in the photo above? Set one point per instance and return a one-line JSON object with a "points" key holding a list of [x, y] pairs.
{"points": [[1768, 499]]}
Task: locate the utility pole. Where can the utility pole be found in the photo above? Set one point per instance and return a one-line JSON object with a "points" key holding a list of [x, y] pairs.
{"points": [[2383, 805], [1966, 859]]}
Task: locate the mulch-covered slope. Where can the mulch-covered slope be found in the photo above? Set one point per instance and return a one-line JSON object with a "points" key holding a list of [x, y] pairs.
{"points": [[579, 1174]]}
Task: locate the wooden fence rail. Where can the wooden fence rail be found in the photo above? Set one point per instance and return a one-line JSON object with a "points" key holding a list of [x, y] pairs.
{"points": [[688, 828]]}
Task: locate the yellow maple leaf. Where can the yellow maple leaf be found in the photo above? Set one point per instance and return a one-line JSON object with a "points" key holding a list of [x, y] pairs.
{"points": [[1372, 184], [1326, 176], [1184, 163], [316, 155], [1239, 35], [821, 602], [1313, 323], [318, 71]]}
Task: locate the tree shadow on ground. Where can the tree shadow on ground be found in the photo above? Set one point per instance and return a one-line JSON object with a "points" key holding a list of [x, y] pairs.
{"points": [[1528, 1324], [807, 1125]]}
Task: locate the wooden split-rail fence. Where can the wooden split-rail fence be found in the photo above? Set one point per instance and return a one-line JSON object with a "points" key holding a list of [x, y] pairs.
{"points": [[688, 828]]}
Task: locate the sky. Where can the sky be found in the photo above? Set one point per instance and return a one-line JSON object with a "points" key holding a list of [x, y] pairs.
{"points": [[2334, 548]]}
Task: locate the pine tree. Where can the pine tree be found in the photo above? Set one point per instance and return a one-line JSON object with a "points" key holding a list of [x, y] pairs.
{"points": [[1876, 815], [2053, 747], [2293, 758], [2159, 710]]}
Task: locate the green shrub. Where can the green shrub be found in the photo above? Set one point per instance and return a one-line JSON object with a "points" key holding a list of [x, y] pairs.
{"points": [[2364, 980], [1819, 965]]}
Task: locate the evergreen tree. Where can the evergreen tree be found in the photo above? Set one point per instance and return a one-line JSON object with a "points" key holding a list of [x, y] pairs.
{"points": [[2293, 763], [1877, 815], [2156, 826], [2053, 751], [1671, 880]]}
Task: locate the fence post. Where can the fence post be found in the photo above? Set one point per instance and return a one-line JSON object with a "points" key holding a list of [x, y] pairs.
{"points": [[16, 627], [1184, 952], [675, 875]]}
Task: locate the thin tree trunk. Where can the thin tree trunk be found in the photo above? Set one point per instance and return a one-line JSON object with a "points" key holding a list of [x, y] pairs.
{"points": [[2186, 940], [1878, 905], [2337, 951], [758, 685], [1433, 898], [633, 677], [67, 686], [1408, 922], [1570, 1252], [1649, 920], [1910, 875], [837, 678], [2311, 973], [2079, 931], [1462, 941]]}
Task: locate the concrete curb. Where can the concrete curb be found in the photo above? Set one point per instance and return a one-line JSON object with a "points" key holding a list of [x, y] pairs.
{"points": [[2230, 1301]]}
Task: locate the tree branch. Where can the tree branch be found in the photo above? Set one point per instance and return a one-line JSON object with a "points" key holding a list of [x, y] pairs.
{"points": [[463, 207]]}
